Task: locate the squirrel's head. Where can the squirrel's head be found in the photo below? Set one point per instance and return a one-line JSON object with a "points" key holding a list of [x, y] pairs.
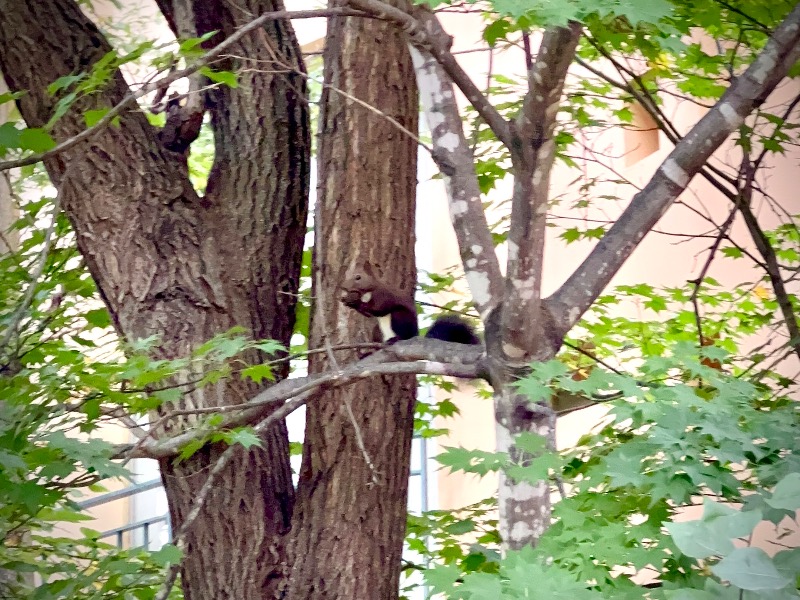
{"points": [[358, 286]]}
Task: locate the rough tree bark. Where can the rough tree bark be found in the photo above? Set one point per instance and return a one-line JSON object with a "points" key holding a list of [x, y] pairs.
{"points": [[351, 502], [184, 268]]}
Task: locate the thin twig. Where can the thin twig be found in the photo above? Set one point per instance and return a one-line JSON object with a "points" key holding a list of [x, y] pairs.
{"points": [[289, 69], [348, 406], [712, 252], [773, 270], [374, 475]]}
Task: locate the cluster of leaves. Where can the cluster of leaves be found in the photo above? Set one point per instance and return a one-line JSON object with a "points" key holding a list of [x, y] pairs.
{"points": [[667, 316], [63, 378], [541, 13], [51, 392], [635, 486], [720, 437], [80, 566]]}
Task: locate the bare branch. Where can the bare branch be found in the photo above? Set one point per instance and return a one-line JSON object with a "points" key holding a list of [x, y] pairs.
{"points": [[374, 475], [457, 163], [118, 413], [686, 160], [770, 264], [533, 157], [366, 105], [698, 281], [418, 355]]}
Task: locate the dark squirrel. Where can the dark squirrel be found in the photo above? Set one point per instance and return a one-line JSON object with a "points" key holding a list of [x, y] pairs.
{"points": [[396, 312]]}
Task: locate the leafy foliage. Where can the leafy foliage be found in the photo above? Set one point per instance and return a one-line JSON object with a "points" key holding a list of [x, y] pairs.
{"points": [[688, 434], [63, 377]]}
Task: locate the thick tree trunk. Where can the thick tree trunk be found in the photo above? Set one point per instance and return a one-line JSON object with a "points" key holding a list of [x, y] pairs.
{"points": [[351, 503], [170, 264]]}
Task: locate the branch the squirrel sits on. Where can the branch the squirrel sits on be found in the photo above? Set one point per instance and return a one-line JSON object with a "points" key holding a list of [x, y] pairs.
{"points": [[396, 311]]}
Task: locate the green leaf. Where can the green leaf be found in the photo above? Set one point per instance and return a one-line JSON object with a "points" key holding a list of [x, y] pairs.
{"points": [[636, 11], [170, 394], [471, 461], [442, 579], [721, 520], [63, 83], [534, 470], [124, 567], [461, 527], [572, 234], [63, 515], [191, 43], [623, 466], [496, 30], [30, 495], [36, 140], [531, 442], [225, 77], [168, 554], [98, 317], [9, 136], [534, 389], [190, 448], [94, 454], [91, 117], [787, 493], [788, 562], [270, 347], [750, 569], [244, 436], [692, 539], [482, 585], [10, 461], [258, 373]]}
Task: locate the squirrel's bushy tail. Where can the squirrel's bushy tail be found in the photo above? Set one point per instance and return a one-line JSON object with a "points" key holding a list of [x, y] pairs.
{"points": [[451, 328]]}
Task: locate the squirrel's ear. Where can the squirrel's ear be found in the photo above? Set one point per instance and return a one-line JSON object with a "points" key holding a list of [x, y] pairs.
{"points": [[368, 268]]}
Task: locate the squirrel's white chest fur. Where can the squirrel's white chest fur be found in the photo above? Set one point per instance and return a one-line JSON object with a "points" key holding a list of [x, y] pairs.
{"points": [[385, 323]]}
